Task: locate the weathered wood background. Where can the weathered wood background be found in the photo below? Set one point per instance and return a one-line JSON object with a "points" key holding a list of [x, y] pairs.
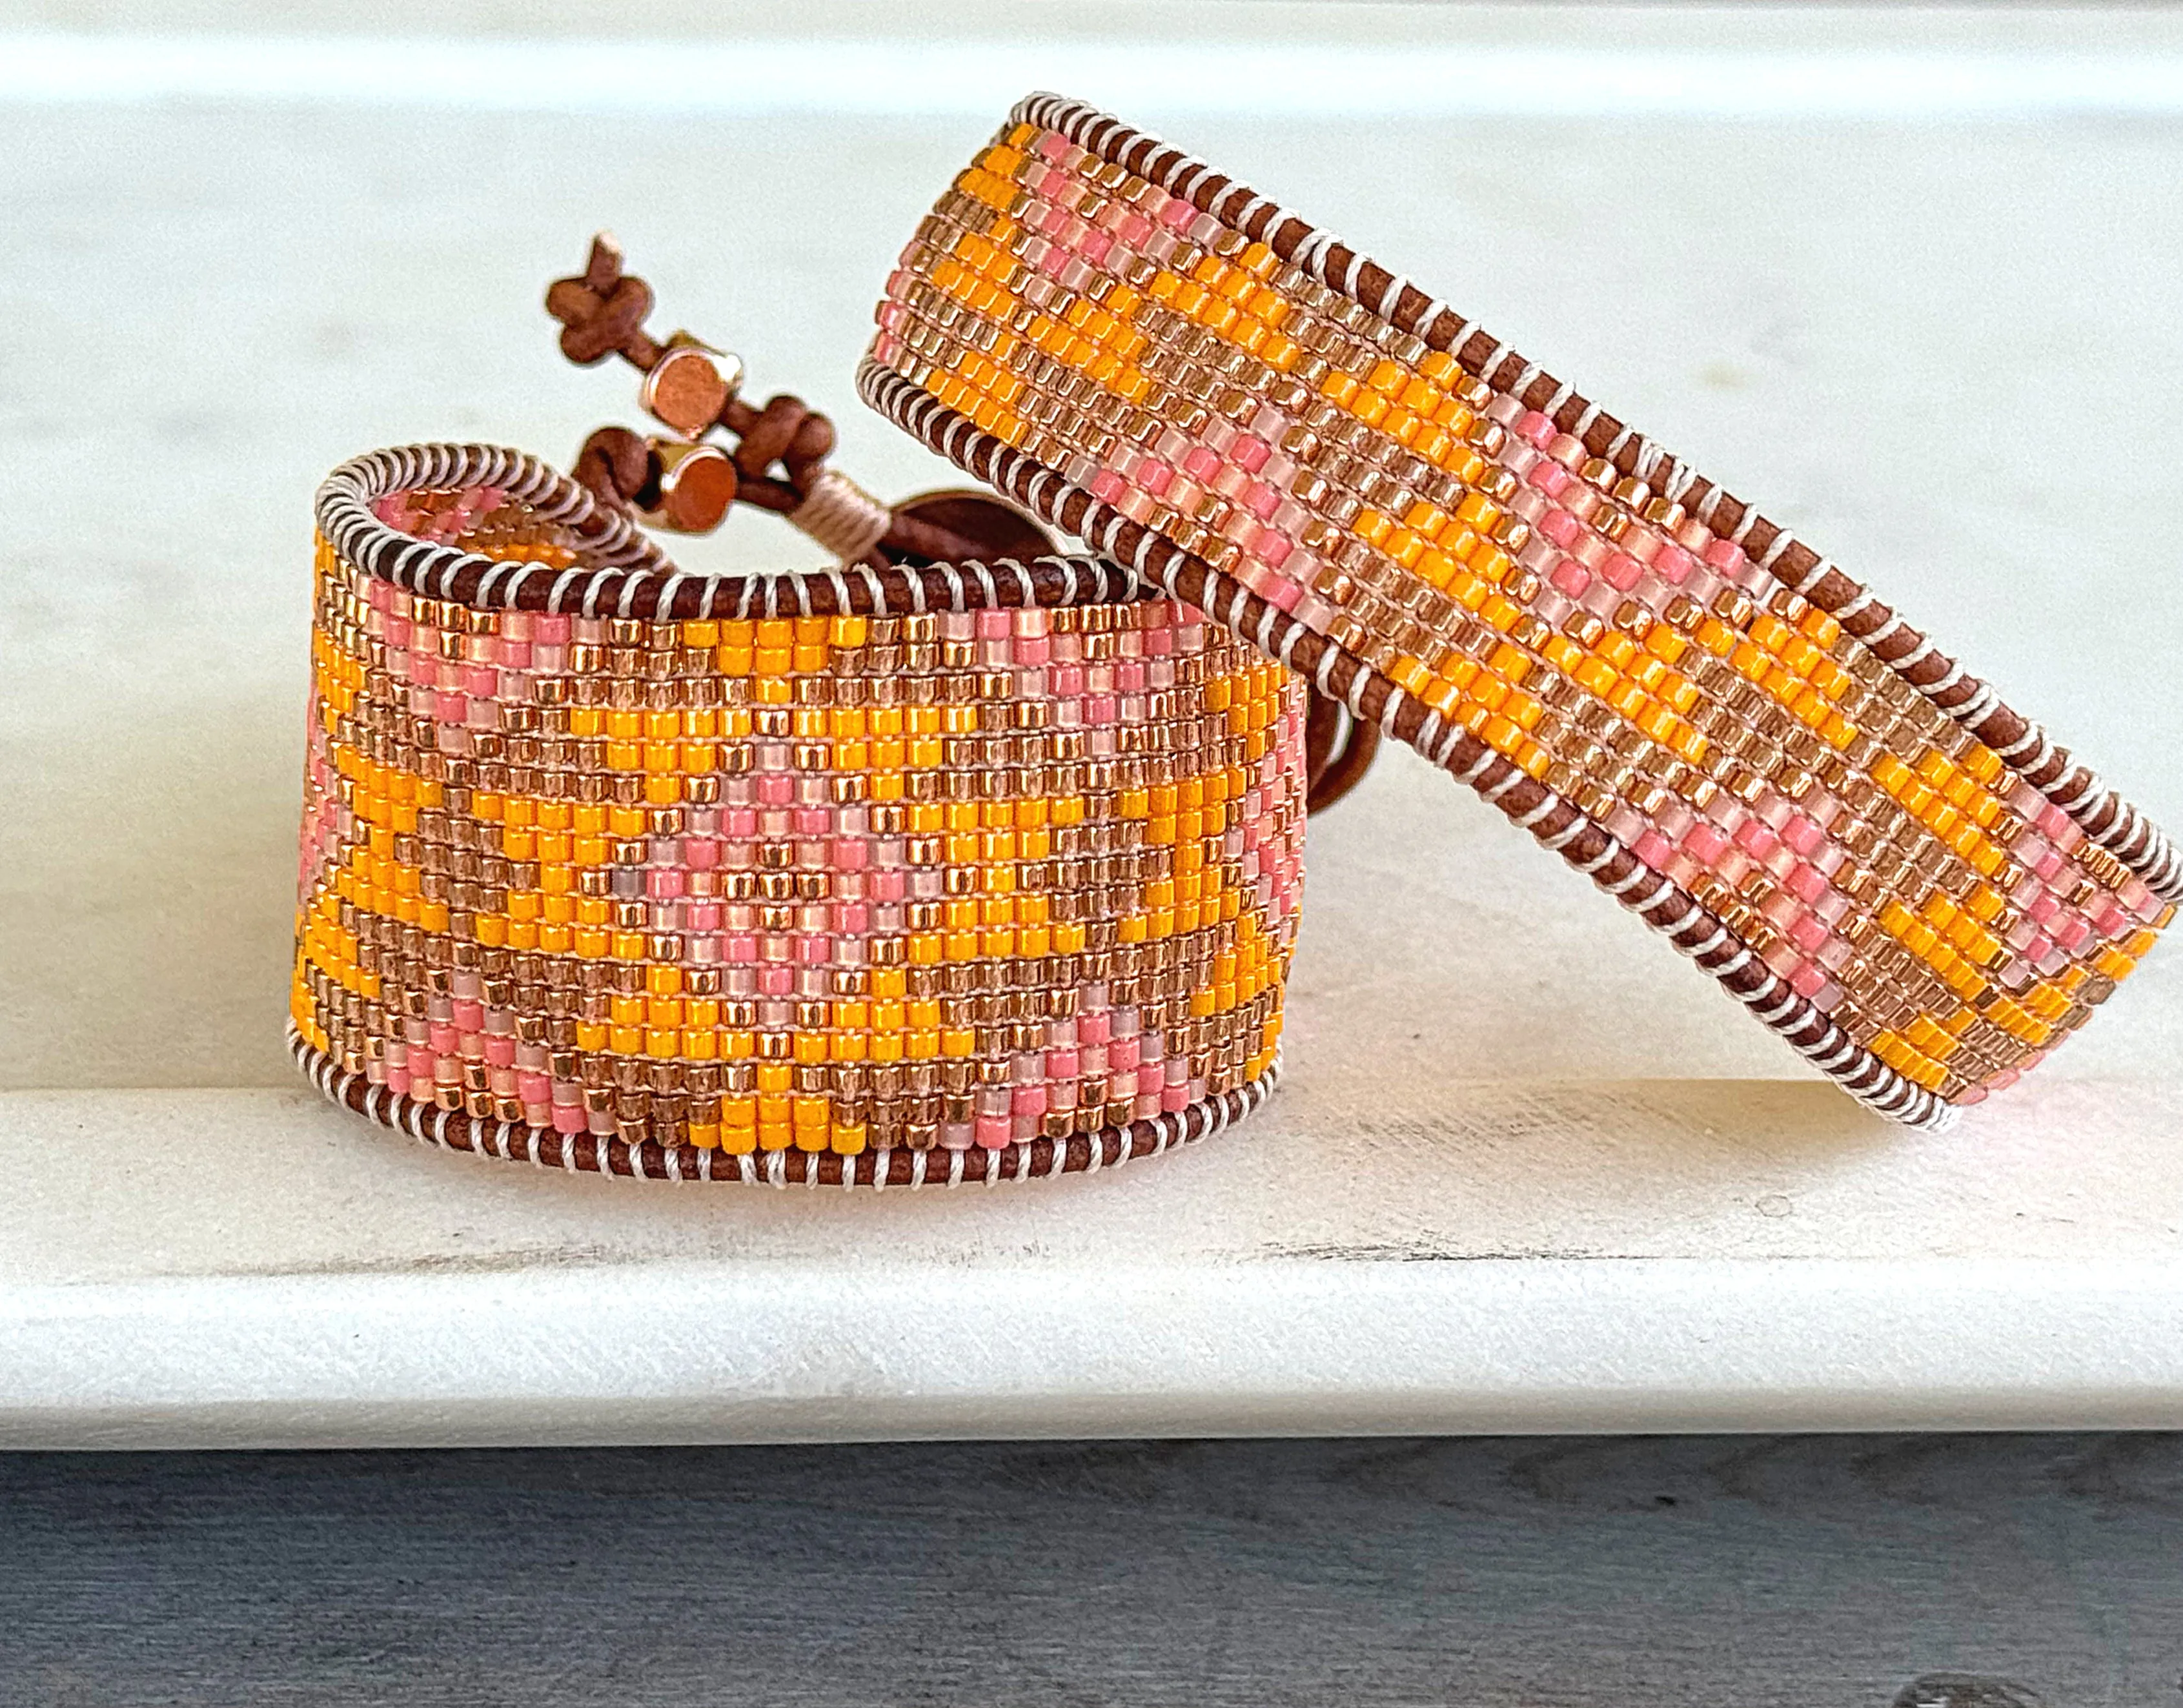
{"points": [[1930, 1571]]}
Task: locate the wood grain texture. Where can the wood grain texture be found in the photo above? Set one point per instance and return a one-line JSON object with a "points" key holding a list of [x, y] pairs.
{"points": [[1990, 1571]]}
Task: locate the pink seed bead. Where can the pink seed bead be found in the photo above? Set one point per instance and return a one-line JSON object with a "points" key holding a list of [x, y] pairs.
{"points": [[1621, 571], [1570, 579]]}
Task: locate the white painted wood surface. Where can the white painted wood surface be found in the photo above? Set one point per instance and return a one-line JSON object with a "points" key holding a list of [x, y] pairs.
{"points": [[1529, 1171]]}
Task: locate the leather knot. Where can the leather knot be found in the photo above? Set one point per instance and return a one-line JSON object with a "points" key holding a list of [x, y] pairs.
{"points": [[787, 430], [603, 311]]}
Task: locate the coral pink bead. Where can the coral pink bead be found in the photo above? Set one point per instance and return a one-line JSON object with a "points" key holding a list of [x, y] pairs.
{"points": [[1561, 528], [1726, 556]]}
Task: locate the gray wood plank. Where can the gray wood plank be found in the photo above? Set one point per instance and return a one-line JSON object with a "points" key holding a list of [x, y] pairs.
{"points": [[1919, 1571]]}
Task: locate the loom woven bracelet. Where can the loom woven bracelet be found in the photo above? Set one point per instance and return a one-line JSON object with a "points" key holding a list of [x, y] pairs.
{"points": [[1887, 865], [866, 875]]}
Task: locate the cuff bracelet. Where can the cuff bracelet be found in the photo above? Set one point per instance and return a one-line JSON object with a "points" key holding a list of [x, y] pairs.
{"points": [[1887, 865], [871, 874]]}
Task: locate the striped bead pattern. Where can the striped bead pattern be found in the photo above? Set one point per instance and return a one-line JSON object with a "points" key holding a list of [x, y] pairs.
{"points": [[1884, 862], [996, 860], [577, 1153]]}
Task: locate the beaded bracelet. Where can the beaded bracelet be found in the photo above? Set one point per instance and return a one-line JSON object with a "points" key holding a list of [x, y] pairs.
{"points": [[865, 876], [1888, 866]]}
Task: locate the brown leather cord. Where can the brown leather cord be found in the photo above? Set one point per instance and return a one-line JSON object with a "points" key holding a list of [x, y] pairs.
{"points": [[1338, 750], [780, 452], [603, 312]]}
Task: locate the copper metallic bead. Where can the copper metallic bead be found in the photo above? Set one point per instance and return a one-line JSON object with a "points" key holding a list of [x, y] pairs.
{"points": [[696, 485], [690, 384]]}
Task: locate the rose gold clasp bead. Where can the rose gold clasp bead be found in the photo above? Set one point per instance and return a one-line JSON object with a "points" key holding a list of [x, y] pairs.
{"points": [[690, 384], [697, 484]]}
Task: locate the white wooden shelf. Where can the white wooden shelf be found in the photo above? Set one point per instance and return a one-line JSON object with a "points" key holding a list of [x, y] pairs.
{"points": [[231, 1268], [1528, 1172]]}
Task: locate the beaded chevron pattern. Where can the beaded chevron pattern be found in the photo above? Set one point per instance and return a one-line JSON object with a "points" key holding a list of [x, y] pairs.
{"points": [[1887, 865], [789, 877]]}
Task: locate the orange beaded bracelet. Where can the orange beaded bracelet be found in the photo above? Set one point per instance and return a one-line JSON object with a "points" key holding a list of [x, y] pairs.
{"points": [[866, 875], [1882, 861]]}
